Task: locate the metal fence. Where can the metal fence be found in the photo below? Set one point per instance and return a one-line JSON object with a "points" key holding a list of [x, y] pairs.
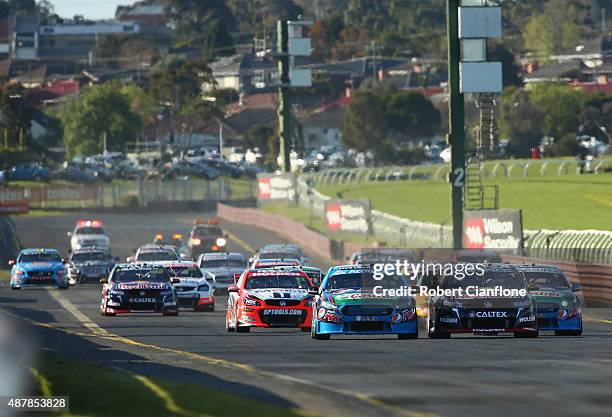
{"points": [[519, 168], [129, 193]]}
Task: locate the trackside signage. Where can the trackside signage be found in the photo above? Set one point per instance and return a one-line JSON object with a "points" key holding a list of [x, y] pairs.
{"points": [[493, 229], [348, 216], [276, 187], [40, 194]]}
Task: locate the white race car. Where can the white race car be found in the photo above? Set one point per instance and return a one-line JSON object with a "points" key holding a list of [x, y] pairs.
{"points": [[89, 234], [193, 290]]}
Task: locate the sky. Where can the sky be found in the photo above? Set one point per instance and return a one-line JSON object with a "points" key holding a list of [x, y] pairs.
{"points": [[91, 9]]}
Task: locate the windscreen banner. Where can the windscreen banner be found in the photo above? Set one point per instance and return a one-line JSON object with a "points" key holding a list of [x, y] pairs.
{"points": [[493, 229], [353, 216], [276, 187]]}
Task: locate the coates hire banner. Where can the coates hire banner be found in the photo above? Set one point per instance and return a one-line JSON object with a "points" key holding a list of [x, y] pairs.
{"points": [[348, 216], [276, 187], [493, 229], [40, 194]]}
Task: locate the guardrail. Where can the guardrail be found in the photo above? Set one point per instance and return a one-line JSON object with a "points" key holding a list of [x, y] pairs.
{"points": [[519, 168]]}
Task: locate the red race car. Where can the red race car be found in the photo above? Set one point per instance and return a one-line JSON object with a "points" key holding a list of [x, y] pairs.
{"points": [[268, 298]]}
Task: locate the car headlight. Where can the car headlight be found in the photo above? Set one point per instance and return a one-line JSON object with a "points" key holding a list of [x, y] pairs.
{"points": [[221, 241], [195, 241]]}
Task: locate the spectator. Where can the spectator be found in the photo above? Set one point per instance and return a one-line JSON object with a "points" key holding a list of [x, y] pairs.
{"points": [[583, 152]]}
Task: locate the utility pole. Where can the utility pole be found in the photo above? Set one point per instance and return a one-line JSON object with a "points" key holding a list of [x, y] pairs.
{"points": [[284, 104], [456, 107]]}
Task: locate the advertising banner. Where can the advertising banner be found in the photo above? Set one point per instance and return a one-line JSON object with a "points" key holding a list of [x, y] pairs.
{"points": [[8, 208], [276, 187], [493, 229], [348, 216]]}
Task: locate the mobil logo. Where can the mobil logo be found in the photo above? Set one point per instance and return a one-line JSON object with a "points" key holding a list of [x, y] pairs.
{"points": [[265, 188], [474, 234]]}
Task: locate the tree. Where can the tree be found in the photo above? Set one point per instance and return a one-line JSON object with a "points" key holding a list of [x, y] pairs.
{"points": [[141, 103], [385, 121], [15, 116], [98, 110], [561, 105], [554, 30], [520, 121], [510, 70], [203, 24], [22, 7], [180, 81]]}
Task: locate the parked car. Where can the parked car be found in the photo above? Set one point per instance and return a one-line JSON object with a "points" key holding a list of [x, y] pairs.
{"points": [[76, 173], [184, 168], [30, 171]]}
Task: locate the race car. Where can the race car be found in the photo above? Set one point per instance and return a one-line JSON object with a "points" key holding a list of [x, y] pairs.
{"points": [[222, 266], [176, 240], [350, 301], [558, 306], [280, 251], [206, 236], [480, 305], [315, 274], [139, 288], [193, 290], [89, 264], [268, 298], [87, 234], [37, 268], [152, 254], [271, 263]]}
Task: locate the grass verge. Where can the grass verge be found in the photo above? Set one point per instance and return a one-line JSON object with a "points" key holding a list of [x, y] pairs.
{"points": [[97, 391], [549, 202]]}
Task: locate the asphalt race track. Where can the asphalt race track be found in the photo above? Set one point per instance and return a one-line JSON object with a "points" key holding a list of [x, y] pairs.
{"points": [[464, 376]]}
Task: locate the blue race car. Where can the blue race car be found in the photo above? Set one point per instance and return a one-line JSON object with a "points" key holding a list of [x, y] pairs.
{"points": [[351, 301], [557, 301], [38, 268]]}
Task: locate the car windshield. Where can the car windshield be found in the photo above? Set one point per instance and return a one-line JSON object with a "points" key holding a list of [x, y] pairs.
{"points": [[89, 231], [184, 271], [277, 281], [90, 256], [156, 256], [150, 275], [547, 279], [490, 279], [279, 255], [40, 257], [363, 280], [208, 231], [223, 263]]}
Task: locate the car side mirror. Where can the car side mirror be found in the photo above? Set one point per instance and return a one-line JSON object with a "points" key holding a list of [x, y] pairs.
{"points": [[233, 288], [576, 287], [236, 277], [175, 281], [11, 262], [104, 280]]}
